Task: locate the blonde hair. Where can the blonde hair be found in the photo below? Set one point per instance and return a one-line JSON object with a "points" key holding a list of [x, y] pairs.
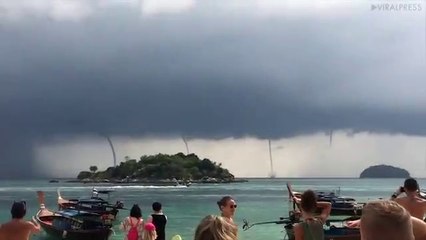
{"points": [[386, 220], [149, 235], [216, 228]]}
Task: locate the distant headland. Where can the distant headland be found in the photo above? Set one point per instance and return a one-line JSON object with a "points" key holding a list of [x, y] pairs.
{"points": [[161, 169], [384, 171]]}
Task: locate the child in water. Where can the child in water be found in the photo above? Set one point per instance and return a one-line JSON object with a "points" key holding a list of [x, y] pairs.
{"points": [[149, 232]]}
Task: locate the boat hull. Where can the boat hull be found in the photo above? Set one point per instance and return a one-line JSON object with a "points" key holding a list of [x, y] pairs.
{"points": [[101, 210], [66, 228], [345, 212], [334, 233], [94, 204], [342, 234]]}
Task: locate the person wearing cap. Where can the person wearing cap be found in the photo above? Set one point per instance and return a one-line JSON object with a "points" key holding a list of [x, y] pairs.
{"points": [[149, 232], [412, 201], [18, 228]]}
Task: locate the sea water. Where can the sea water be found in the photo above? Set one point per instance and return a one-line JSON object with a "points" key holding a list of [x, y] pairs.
{"points": [[258, 200]]}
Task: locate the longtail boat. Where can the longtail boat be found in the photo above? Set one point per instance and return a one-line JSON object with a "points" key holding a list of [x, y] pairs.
{"points": [[335, 229], [94, 204], [66, 225], [340, 206]]}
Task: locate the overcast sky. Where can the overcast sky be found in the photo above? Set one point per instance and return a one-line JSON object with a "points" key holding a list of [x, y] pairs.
{"points": [[227, 74]]}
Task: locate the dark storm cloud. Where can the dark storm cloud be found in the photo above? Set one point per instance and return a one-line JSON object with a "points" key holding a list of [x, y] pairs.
{"points": [[205, 74]]}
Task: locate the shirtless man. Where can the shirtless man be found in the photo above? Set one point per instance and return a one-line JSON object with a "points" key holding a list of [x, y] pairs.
{"points": [[412, 202], [419, 226], [387, 220], [18, 228]]}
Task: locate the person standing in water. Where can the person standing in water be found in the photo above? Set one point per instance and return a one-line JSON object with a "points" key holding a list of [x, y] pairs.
{"points": [[311, 228], [227, 206], [133, 224], [159, 220], [18, 228], [412, 202]]}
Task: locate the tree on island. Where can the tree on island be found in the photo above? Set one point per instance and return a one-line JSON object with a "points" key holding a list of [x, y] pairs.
{"points": [[86, 174], [164, 166], [93, 169]]}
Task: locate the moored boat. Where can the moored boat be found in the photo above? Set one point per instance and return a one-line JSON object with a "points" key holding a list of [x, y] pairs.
{"points": [[334, 229], [94, 204], [70, 227], [340, 206]]}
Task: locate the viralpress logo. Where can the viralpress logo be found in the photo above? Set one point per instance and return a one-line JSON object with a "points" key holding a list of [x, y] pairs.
{"points": [[397, 6]]}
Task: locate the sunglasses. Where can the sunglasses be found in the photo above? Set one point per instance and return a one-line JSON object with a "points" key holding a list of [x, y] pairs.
{"points": [[233, 206]]}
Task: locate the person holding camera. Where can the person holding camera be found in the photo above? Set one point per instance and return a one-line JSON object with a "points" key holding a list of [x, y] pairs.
{"points": [[412, 201]]}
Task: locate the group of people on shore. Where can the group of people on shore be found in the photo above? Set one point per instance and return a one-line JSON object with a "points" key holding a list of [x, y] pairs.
{"points": [[211, 227], [399, 218], [394, 219], [135, 228]]}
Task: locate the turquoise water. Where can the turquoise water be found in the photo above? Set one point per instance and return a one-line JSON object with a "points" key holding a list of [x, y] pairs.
{"points": [[258, 200]]}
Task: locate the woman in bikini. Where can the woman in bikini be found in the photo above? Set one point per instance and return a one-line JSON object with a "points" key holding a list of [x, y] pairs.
{"points": [[311, 227]]}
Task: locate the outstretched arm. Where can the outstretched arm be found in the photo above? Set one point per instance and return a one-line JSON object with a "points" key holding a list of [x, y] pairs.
{"points": [[325, 206], [296, 200], [354, 224], [35, 227], [397, 193]]}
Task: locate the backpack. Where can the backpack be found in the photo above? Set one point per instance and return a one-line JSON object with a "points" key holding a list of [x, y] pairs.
{"points": [[133, 233]]}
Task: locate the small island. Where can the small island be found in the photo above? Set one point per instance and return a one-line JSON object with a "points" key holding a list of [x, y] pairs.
{"points": [[384, 171], [161, 168]]}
